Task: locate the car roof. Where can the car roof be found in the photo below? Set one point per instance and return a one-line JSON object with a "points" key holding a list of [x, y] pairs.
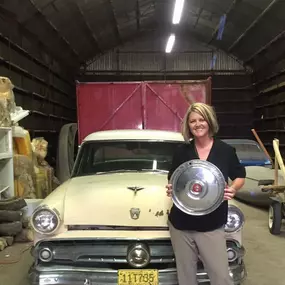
{"points": [[156, 135], [239, 141]]}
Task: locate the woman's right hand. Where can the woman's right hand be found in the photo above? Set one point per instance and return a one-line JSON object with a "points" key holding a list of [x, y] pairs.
{"points": [[169, 190]]}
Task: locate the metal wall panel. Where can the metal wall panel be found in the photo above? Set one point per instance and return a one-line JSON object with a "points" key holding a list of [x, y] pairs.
{"points": [[136, 61], [189, 61], [108, 61], [146, 53], [161, 62]]}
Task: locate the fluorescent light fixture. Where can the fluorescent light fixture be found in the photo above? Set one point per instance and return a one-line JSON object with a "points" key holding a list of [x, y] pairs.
{"points": [[177, 11], [170, 43]]}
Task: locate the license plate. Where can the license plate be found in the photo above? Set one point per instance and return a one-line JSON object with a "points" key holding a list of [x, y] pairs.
{"points": [[138, 277]]}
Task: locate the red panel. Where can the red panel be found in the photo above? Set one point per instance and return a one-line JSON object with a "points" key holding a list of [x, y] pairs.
{"points": [[149, 105], [167, 103], [165, 107], [108, 106]]}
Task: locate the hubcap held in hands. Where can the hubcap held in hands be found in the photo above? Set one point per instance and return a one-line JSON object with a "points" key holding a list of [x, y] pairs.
{"points": [[197, 187]]}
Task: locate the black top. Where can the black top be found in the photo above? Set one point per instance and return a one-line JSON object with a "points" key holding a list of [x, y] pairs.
{"points": [[224, 157]]}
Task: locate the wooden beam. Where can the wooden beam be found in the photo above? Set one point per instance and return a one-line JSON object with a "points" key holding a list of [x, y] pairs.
{"points": [[261, 145], [279, 157]]}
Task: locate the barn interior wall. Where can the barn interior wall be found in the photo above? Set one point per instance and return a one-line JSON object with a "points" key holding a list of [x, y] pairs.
{"points": [[41, 85], [232, 97], [269, 102]]}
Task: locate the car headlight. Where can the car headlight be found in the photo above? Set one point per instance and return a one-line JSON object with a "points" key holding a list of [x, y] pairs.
{"points": [[235, 219], [45, 221]]}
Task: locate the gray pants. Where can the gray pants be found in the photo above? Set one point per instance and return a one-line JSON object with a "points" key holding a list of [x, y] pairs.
{"points": [[210, 247]]}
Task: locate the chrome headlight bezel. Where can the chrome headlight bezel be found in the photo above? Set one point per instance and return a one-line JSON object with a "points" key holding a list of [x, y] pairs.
{"points": [[55, 219], [234, 212]]}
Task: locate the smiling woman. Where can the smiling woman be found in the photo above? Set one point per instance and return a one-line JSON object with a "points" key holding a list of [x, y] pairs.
{"points": [[205, 234]]}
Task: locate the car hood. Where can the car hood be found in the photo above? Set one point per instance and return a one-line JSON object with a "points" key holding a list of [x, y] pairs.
{"points": [[105, 200], [256, 173]]}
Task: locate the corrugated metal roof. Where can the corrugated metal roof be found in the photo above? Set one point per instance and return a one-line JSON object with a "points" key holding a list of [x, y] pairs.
{"points": [[81, 30]]}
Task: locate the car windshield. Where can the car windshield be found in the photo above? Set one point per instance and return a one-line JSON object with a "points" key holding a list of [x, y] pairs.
{"points": [[249, 151], [102, 157]]}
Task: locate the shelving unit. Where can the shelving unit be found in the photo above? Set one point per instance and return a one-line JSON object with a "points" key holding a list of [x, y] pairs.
{"points": [[6, 163]]}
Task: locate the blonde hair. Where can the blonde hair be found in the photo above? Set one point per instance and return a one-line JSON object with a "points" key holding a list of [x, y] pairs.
{"points": [[209, 115]]}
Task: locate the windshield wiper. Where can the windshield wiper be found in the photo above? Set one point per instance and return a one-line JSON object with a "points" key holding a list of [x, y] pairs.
{"points": [[134, 170], [155, 170]]}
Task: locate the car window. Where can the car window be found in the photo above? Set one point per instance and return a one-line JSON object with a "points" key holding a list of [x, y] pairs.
{"points": [[96, 157], [248, 151]]}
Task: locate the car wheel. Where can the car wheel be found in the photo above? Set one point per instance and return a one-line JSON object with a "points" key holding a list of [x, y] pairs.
{"points": [[275, 218]]}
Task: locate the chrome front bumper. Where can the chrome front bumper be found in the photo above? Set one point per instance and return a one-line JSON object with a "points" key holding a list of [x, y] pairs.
{"points": [[64, 275]]}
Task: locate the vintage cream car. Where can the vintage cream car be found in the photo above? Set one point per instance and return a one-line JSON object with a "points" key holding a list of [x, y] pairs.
{"points": [[108, 223]]}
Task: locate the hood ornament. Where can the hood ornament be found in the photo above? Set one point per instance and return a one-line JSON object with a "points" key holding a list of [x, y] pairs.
{"points": [[135, 189], [135, 213]]}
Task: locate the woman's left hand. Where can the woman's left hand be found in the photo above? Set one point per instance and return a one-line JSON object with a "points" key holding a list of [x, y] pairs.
{"points": [[229, 193]]}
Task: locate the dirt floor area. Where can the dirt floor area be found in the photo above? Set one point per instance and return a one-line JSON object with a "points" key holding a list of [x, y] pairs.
{"points": [[14, 264], [264, 260]]}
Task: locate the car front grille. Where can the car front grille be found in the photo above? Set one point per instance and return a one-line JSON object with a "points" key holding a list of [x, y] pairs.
{"points": [[105, 253], [110, 253]]}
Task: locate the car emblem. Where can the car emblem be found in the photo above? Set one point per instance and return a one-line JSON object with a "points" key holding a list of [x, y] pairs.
{"points": [[135, 188], [197, 188], [87, 282], [135, 213]]}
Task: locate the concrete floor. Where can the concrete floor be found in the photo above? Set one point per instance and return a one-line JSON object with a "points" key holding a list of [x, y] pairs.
{"points": [[265, 254], [14, 264]]}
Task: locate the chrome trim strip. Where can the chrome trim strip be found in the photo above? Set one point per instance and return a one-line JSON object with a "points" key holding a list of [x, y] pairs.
{"points": [[102, 239], [113, 228]]}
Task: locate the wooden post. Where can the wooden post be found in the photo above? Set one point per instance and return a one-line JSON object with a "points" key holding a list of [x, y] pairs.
{"points": [[278, 156], [276, 166], [262, 145]]}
